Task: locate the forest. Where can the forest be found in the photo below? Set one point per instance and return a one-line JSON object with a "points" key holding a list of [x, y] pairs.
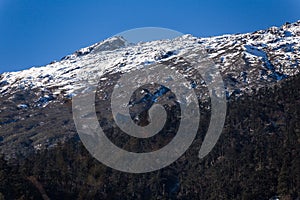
{"points": [[256, 157]]}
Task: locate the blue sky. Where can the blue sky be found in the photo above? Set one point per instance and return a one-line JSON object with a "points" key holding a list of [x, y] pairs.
{"points": [[36, 32]]}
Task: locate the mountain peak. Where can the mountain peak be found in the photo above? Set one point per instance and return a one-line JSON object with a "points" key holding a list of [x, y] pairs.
{"points": [[109, 44], [245, 60]]}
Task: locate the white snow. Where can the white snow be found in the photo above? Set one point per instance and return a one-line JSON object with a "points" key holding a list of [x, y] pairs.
{"points": [[87, 65], [22, 106]]}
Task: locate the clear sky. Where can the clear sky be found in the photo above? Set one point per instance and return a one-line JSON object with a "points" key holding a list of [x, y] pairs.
{"points": [[36, 32]]}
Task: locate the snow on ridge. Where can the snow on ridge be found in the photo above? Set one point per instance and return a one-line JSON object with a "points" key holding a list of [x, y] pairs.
{"points": [[282, 45], [91, 62]]}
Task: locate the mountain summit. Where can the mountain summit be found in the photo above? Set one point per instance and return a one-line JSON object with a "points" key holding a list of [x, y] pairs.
{"points": [[256, 157], [247, 62]]}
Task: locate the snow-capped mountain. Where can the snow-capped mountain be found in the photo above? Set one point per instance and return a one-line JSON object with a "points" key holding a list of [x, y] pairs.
{"points": [[246, 62]]}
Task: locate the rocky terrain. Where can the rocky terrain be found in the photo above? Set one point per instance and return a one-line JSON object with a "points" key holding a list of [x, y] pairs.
{"points": [[260, 71]]}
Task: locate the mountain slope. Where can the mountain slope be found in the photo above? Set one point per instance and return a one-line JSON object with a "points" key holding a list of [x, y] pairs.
{"points": [[247, 62], [260, 138]]}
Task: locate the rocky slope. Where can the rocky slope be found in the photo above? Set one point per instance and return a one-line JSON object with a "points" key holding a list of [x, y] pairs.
{"points": [[39, 98]]}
